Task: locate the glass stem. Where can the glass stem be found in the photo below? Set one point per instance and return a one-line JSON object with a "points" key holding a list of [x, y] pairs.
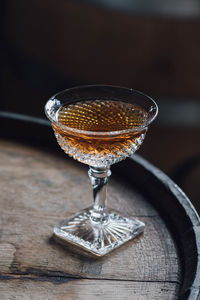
{"points": [[99, 178]]}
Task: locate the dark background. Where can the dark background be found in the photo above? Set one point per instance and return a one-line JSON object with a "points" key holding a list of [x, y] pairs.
{"points": [[52, 45]]}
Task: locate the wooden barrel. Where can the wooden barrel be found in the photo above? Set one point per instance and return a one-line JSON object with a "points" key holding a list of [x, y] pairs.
{"points": [[40, 186]]}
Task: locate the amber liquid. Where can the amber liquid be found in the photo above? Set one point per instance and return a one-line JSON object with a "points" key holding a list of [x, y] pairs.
{"points": [[98, 127]]}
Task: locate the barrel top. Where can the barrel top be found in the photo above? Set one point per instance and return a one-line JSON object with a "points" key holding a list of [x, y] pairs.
{"points": [[39, 187]]}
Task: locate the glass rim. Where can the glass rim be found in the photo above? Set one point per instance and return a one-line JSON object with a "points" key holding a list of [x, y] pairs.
{"points": [[74, 131]]}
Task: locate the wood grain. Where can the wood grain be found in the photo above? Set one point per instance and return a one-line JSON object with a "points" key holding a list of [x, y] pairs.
{"points": [[38, 189], [28, 288]]}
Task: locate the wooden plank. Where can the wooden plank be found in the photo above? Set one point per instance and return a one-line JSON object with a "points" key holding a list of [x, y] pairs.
{"points": [[150, 257], [26, 288], [37, 189]]}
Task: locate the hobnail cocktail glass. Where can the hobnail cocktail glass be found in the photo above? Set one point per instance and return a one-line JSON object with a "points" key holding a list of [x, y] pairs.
{"points": [[99, 126]]}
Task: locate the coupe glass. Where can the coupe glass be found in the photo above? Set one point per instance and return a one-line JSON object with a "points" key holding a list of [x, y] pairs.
{"points": [[99, 126]]}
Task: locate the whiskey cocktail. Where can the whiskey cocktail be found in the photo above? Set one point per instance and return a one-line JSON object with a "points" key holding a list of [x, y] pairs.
{"points": [[99, 126]]}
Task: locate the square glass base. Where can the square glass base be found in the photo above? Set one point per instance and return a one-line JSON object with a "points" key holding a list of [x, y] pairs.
{"points": [[98, 238]]}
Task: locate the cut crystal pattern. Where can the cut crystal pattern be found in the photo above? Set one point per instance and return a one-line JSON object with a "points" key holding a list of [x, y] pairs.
{"points": [[99, 126], [102, 155], [96, 238]]}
